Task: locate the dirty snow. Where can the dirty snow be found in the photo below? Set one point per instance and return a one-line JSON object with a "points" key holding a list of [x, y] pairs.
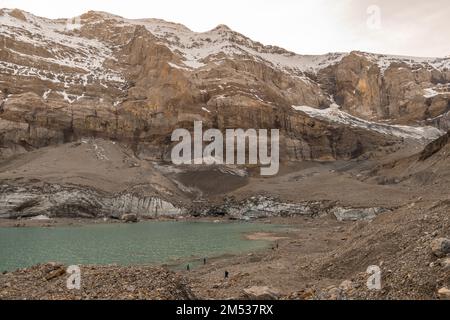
{"points": [[334, 115], [40, 218]]}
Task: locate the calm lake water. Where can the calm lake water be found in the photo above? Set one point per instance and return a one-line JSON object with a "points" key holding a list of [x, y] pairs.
{"points": [[126, 244]]}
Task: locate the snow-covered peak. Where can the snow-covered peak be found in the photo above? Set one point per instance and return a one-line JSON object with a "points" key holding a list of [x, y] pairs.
{"points": [[197, 49], [54, 45], [385, 61]]}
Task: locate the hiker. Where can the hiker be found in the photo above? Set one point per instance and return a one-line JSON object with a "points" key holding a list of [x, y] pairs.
{"points": [[204, 261], [226, 274], [188, 268]]}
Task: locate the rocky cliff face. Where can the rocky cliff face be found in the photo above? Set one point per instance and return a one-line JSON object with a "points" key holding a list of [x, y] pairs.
{"points": [[136, 80], [398, 89]]}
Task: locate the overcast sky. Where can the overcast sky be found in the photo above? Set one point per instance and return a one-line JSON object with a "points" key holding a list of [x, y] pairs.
{"points": [[404, 27]]}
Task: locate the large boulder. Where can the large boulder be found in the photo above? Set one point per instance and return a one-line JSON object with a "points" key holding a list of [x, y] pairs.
{"points": [[130, 218], [260, 293], [440, 247], [356, 214], [444, 293]]}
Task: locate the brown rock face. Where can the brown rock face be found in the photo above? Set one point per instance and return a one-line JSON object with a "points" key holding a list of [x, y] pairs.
{"points": [[358, 86], [440, 247], [401, 90], [434, 147], [137, 80]]}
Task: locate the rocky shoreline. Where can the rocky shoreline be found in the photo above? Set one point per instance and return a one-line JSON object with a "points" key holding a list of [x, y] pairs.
{"points": [[316, 258]]}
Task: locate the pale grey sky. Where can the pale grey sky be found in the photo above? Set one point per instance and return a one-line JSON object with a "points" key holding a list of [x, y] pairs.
{"points": [[403, 27]]}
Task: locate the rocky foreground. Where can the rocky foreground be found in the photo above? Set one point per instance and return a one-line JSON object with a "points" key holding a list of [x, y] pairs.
{"points": [[49, 281], [327, 259]]}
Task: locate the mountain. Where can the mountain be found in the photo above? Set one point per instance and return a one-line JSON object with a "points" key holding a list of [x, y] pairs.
{"points": [[137, 80], [122, 86], [87, 109]]}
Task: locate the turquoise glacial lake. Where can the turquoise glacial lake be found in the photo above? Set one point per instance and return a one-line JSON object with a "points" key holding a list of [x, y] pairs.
{"points": [[127, 244]]}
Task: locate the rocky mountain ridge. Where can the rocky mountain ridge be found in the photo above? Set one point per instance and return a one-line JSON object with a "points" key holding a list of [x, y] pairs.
{"points": [[136, 80]]}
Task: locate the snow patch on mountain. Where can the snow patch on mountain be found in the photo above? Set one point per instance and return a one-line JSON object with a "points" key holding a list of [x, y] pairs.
{"points": [[430, 93], [440, 89], [70, 98], [173, 65], [385, 61], [46, 94], [86, 56], [334, 115]]}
